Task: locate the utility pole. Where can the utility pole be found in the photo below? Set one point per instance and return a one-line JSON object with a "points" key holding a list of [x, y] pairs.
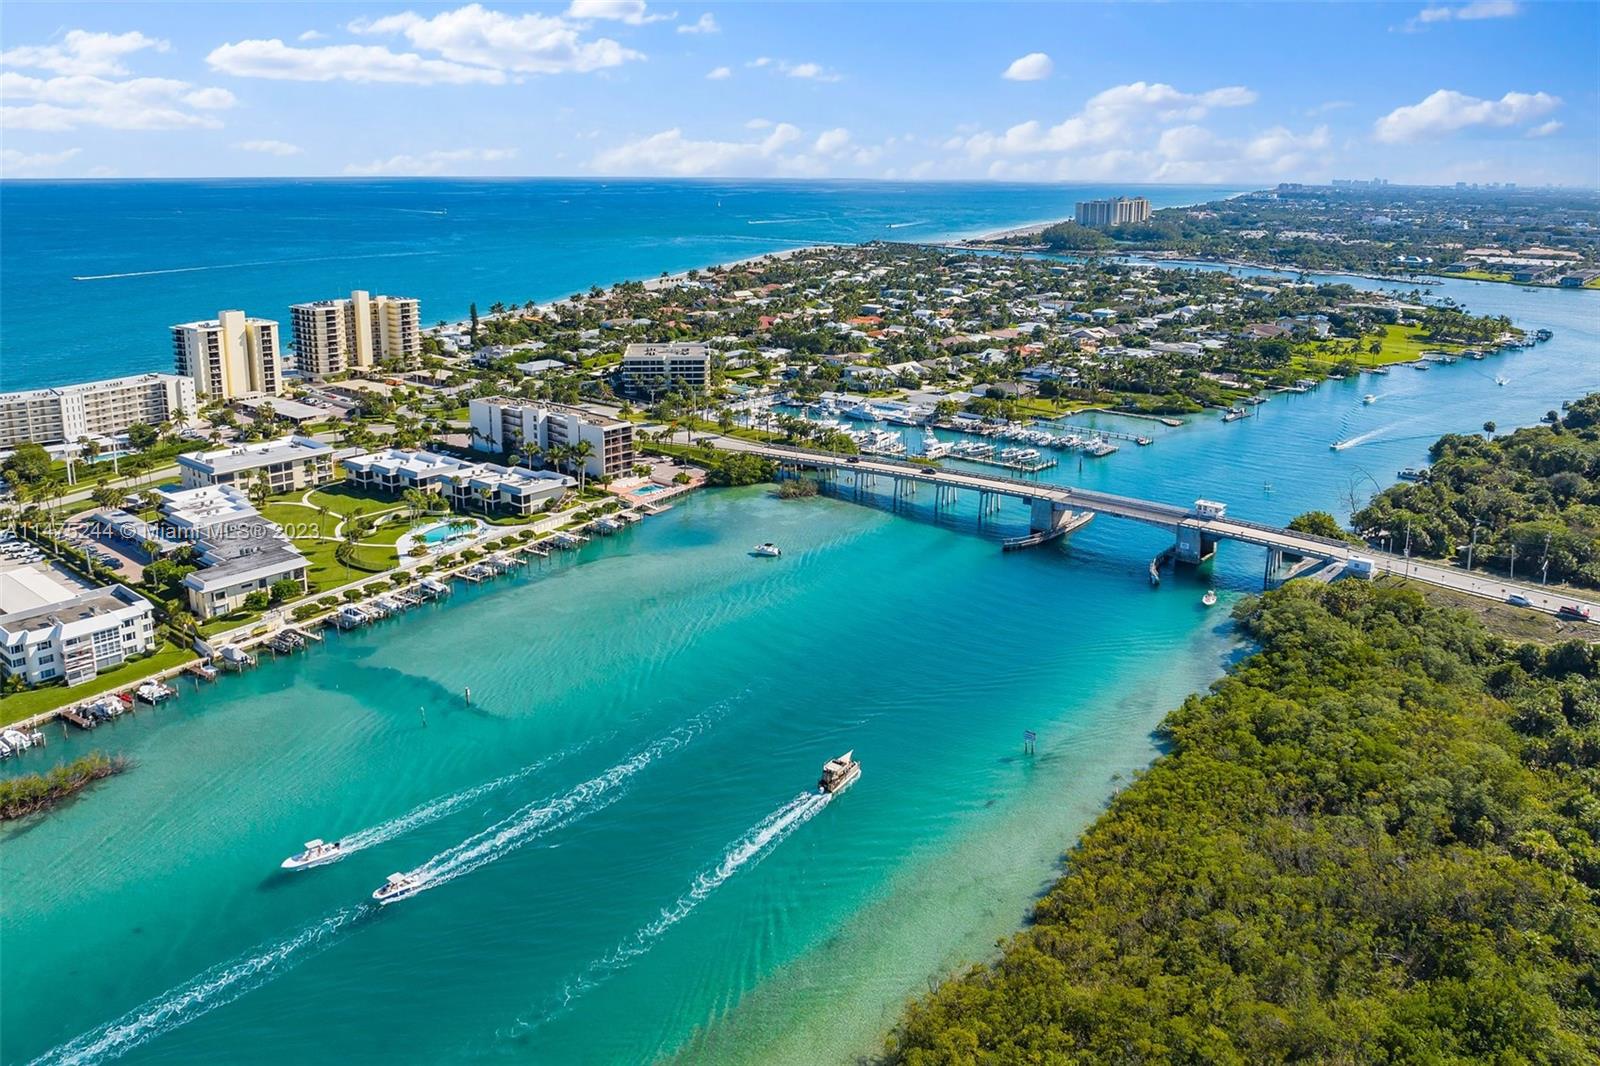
{"points": [[1513, 560], [1544, 567], [1471, 546]]}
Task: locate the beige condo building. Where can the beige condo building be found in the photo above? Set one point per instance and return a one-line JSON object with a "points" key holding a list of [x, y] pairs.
{"points": [[333, 336], [232, 355]]}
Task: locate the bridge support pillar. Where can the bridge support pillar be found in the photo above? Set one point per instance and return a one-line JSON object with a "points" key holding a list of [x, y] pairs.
{"points": [[1047, 515], [1194, 546]]}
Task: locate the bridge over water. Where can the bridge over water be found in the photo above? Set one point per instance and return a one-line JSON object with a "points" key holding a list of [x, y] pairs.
{"points": [[1057, 510]]}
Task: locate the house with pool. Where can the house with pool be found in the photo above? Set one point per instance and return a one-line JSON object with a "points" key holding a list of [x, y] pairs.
{"points": [[466, 486]]}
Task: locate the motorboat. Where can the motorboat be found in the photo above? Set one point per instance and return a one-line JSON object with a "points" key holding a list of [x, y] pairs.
{"points": [[933, 447], [1233, 414], [317, 853], [1502, 381], [767, 550], [1210, 598], [1369, 398], [1412, 473], [154, 692], [839, 774], [398, 887]]}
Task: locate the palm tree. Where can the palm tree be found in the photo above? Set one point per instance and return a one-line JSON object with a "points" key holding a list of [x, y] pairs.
{"points": [[578, 455]]}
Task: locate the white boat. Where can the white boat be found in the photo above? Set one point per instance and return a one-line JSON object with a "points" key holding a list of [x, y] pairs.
{"points": [[153, 692], [317, 853], [1502, 381], [1369, 398], [398, 887], [863, 412], [933, 447], [767, 550], [1210, 598], [839, 774]]}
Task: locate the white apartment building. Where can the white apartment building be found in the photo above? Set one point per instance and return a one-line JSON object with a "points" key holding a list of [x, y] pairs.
{"points": [[231, 355], [239, 551], [332, 336], [466, 485], [95, 408], [76, 638], [501, 425], [288, 463], [650, 369]]}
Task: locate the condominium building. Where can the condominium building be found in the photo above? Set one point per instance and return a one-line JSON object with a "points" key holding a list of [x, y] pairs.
{"points": [[466, 485], [95, 408], [650, 369], [238, 551], [332, 336], [231, 355], [76, 637], [289, 463], [502, 425], [1116, 212]]}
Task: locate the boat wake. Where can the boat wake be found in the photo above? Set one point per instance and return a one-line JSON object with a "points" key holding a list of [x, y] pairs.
{"points": [[903, 225], [759, 841], [545, 816], [238, 266], [784, 221], [216, 987], [435, 809]]}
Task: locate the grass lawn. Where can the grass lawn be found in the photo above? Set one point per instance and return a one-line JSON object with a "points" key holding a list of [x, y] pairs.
{"points": [[326, 572], [1478, 275], [1400, 344], [49, 697]]}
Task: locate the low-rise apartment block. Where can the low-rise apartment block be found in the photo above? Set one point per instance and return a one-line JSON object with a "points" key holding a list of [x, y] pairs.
{"points": [[239, 552], [502, 424], [465, 485], [332, 336], [76, 637], [289, 463], [229, 356], [95, 408], [651, 369]]}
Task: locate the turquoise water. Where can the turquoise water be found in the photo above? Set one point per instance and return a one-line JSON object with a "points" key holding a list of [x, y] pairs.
{"points": [[647, 490], [623, 868], [130, 258]]}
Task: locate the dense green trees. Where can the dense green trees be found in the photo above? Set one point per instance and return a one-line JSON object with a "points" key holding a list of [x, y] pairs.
{"points": [[1375, 841], [1530, 498], [27, 793]]}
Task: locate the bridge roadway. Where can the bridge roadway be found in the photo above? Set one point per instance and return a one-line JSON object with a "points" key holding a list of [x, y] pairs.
{"points": [[1172, 517]]}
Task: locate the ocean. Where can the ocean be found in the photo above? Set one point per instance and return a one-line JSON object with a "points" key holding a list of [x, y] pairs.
{"points": [[92, 273], [624, 865]]}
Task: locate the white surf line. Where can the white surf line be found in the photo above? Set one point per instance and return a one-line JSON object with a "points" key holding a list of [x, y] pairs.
{"points": [[537, 819], [216, 987], [435, 809], [237, 266], [759, 841]]}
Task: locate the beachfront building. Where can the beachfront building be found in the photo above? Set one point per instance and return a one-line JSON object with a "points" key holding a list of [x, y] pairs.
{"points": [[333, 336], [1120, 211], [651, 369], [465, 485], [238, 551], [289, 463], [74, 637], [95, 408], [229, 356], [503, 425]]}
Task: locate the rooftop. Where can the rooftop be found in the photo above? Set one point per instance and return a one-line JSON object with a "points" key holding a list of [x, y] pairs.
{"points": [[251, 456]]}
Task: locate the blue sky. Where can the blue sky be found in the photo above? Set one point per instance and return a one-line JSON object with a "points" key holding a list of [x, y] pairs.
{"points": [[1486, 90]]}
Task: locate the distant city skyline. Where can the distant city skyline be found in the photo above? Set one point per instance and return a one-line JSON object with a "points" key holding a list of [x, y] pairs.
{"points": [[1416, 93]]}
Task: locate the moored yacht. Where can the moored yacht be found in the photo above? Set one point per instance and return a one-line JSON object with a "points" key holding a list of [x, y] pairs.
{"points": [[839, 774], [398, 887], [933, 447], [767, 550], [317, 853]]}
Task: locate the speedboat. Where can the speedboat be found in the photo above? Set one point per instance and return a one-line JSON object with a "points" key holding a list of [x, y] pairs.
{"points": [[1210, 598], [768, 550], [1369, 398], [839, 774], [317, 853], [398, 887]]}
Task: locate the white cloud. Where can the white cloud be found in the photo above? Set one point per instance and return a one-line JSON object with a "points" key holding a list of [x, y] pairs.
{"points": [[1545, 129], [1035, 66], [719, 74], [808, 71], [831, 142], [631, 12], [74, 101], [706, 23], [342, 62], [1479, 9], [430, 163], [1447, 111], [14, 163], [526, 44], [1114, 115], [759, 124], [270, 147], [670, 152], [82, 52], [312, 35]]}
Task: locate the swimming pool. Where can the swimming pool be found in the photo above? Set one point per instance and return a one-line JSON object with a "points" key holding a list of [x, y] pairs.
{"points": [[441, 533], [648, 489]]}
